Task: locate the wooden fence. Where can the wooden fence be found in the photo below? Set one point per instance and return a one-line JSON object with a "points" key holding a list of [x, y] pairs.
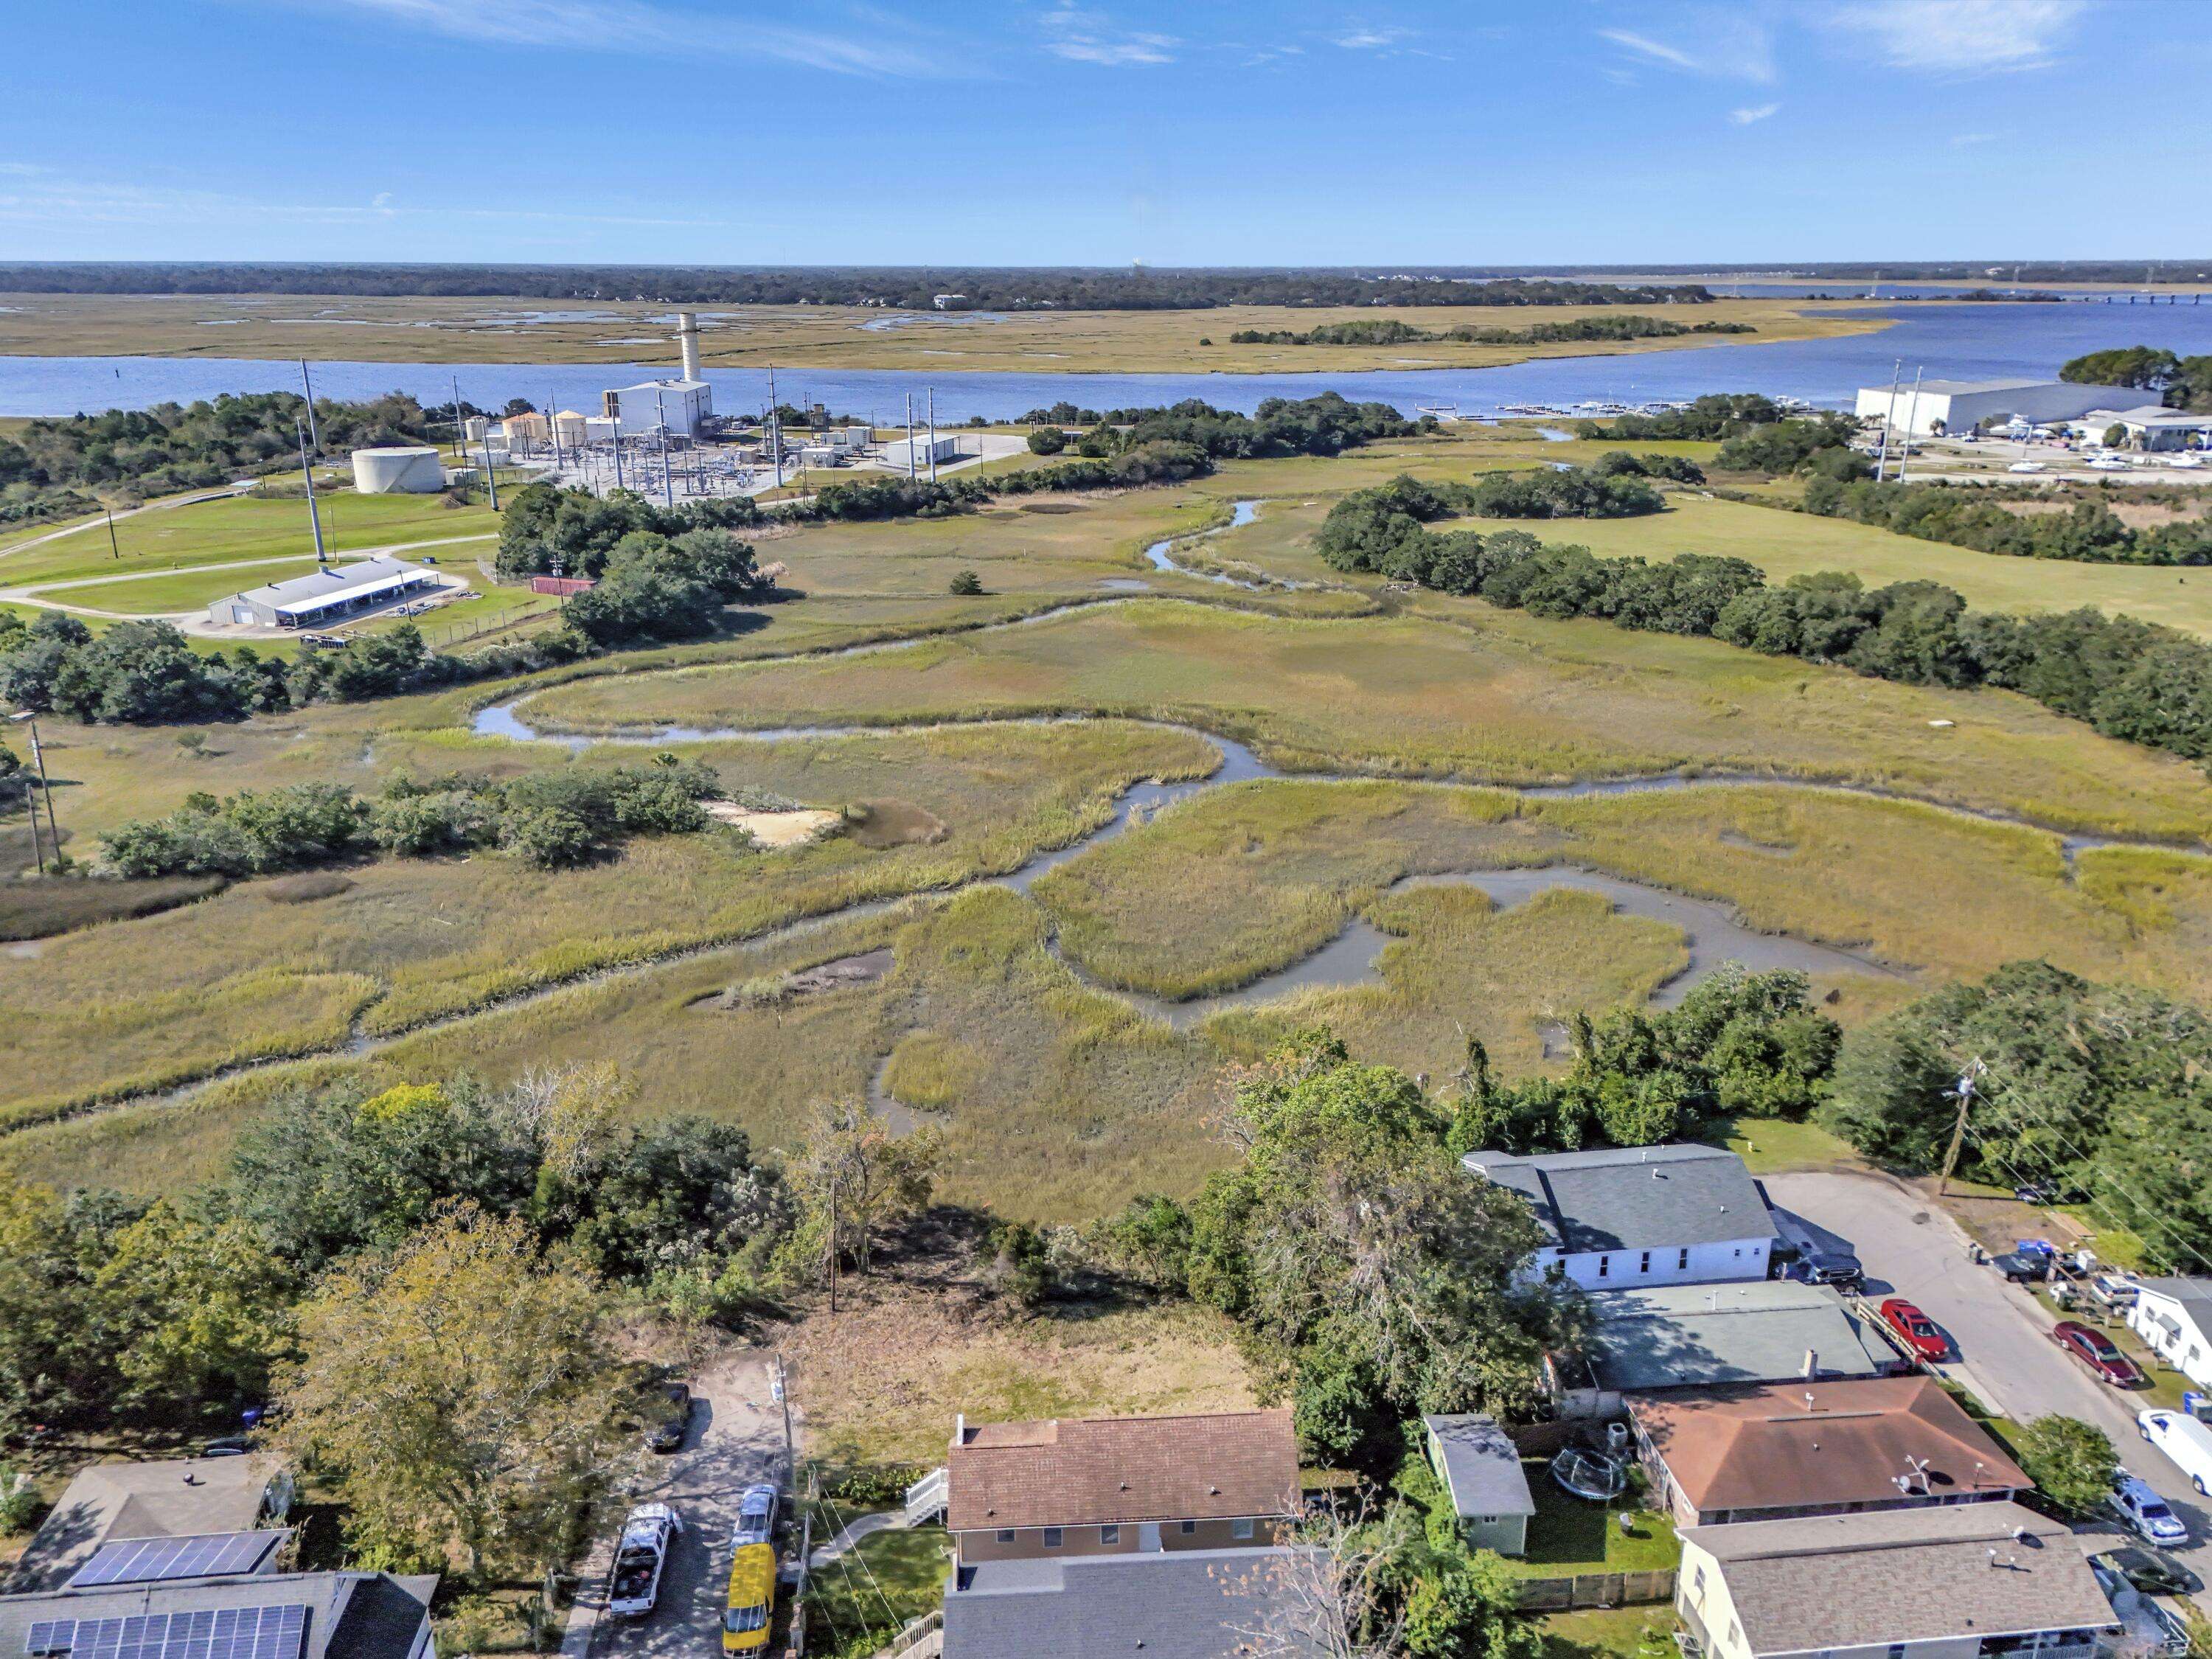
{"points": [[1596, 1589]]}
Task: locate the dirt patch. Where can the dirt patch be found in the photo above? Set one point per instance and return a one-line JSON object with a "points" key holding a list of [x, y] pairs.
{"points": [[306, 888], [39, 908], [776, 829], [1773, 849], [1052, 507], [883, 823], [864, 969]]}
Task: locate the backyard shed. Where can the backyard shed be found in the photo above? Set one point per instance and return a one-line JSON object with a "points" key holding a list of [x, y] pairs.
{"points": [[1481, 1468]]}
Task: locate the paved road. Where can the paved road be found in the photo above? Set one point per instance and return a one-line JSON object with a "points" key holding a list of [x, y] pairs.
{"points": [[2005, 1355], [736, 1439]]}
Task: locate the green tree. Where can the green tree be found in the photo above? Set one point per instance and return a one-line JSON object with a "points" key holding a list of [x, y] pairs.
{"points": [[2071, 1462], [462, 1391], [853, 1177], [967, 583], [53, 1362], [1048, 440], [196, 1311]]}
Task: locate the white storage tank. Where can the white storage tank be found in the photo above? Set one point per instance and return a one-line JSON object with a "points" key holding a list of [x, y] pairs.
{"points": [[414, 471]]}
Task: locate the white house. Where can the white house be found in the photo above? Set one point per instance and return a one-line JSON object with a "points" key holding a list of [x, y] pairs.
{"points": [[1625, 1217], [2173, 1316]]}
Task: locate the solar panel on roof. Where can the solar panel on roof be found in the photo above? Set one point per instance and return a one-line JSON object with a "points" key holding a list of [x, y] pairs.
{"points": [[151, 1560], [272, 1632]]}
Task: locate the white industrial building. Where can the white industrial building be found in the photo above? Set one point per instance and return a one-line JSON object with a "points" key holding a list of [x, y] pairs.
{"points": [[683, 406], [2150, 426], [849, 437], [1955, 406], [413, 470], [326, 597], [920, 452]]}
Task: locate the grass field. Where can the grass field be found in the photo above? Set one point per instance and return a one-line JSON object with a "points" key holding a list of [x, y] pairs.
{"points": [[1471, 692], [1784, 544], [474, 329]]}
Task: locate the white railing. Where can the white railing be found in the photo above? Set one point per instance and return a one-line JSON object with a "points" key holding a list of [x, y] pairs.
{"points": [[927, 1497], [922, 1639]]}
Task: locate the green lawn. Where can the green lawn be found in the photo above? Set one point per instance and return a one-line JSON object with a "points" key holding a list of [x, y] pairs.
{"points": [[1785, 544], [888, 1579], [1568, 1535], [1609, 1633], [185, 590], [1770, 1145]]}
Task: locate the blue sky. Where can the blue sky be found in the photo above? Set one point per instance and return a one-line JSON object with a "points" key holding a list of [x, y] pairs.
{"points": [[1038, 131]]}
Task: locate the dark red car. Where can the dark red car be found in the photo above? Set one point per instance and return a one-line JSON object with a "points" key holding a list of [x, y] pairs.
{"points": [[2095, 1350], [1915, 1328]]}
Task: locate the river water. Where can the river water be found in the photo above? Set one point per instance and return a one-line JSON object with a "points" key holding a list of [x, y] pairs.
{"points": [[1971, 342]]}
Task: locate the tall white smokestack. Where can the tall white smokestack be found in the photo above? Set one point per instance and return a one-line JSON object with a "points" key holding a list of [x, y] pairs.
{"points": [[687, 338]]}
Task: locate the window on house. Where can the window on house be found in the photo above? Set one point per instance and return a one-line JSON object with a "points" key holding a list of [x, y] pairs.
{"points": [[1682, 1258], [1188, 1527], [1698, 1581], [1604, 1265], [1896, 1650], [1110, 1534], [1739, 1249], [1735, 1634], [1052, 1536], [1006, 1534], [1644, 1266], [1240, 1528]]}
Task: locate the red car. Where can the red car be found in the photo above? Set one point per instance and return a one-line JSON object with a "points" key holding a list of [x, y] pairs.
{"points": [[2095, 1350], [1916, 1330]]}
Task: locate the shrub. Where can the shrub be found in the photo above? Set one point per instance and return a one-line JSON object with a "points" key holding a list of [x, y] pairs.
{"points": [[1048, 440], [967, 583]]}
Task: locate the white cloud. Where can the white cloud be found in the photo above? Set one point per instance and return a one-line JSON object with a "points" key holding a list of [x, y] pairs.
{"points": [[1961, 140], [1751, 112], [1704, 40], [1963, 37], [1369, 39], [1090, 37], [639, 28]]}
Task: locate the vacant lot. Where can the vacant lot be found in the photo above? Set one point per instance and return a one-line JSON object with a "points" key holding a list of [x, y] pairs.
{"points": [[1472, 693]]}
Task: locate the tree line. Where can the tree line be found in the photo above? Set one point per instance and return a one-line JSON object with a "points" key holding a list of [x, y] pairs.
{"points": [[915, 287], [2180, 382], [51, 467], [1982, 519], [1390, 332], [2129, 679]]}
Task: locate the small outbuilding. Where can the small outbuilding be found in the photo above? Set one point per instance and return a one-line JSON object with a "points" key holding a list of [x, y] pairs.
{"points": [[1481, 1468], [2174, 1317], [408, 470], [2150, 427], [920, 451], [327, 596]]}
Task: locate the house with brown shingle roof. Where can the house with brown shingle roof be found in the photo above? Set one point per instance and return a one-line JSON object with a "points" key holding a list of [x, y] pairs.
{"points": [[1780, 1450], [1108, 1485]]}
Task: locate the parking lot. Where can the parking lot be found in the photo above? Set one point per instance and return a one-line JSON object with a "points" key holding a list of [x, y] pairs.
{"points": [[2003, 1353]]}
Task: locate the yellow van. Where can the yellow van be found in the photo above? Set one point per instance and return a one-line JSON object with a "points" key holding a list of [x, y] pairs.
{"points": [[752, 1600]]}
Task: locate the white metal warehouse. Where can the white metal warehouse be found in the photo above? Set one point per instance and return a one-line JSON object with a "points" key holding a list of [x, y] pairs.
{"points": [[1955, 406], [324, 596]]}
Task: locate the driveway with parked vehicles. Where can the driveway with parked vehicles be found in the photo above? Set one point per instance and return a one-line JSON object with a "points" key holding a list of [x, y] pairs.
{"points": [[2003, 1353], [734, 1443]]}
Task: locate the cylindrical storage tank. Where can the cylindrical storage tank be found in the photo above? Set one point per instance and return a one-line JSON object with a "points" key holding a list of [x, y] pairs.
{"points": [[687, 338], [568, 426], [416, 471]]}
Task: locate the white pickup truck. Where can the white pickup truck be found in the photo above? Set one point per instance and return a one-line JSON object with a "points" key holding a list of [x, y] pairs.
{"points": [[641, 1556]]}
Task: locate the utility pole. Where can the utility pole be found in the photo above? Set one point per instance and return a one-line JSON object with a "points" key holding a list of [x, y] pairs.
{"points": [[308, 474], [931, 395], [313, 438], [457, 417], [553, 429], [111, 546], [38, 848], [667, 489], [1889, 415], [491, 478], [775, 427], [833, 1244], [783, 1398], [1911, 414], [909, 437], [1964, 1094]]}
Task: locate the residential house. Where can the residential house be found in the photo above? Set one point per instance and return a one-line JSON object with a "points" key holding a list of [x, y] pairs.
{"points": [[2173, 1316], [1633, 1216], [184, 1497], [1108, 1486], [1980, 1579], [1481, 1468], [1701, 1336], [1181, 1604], [312, 1615], [1778, 1451]]}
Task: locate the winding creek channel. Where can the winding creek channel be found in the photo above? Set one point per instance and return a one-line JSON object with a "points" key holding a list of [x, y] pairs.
{"points": [[1712, 933]]}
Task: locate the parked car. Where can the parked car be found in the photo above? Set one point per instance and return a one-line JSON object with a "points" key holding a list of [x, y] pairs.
{"points": [[2111, 1294], [2036, 1191], [757, 1515], [1816, 1256], [667, 1435], [2152, 1571], [2145, 1513], [2149, 1628], [2186, 1439], [640, 1557], [2096, 1351], [1915, 1328]]}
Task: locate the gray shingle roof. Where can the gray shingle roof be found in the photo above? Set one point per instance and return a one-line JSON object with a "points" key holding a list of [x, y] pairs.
{"points": [[1849, 1581], [2195, 1296], [1175, 1604], [1683, 1336], [351, 1615], [1633, 1198], [1482, 1465], [173, 1498]]}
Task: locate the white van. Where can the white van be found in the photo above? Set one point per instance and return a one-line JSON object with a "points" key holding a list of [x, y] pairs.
{"points": [[2183, 1439]]}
